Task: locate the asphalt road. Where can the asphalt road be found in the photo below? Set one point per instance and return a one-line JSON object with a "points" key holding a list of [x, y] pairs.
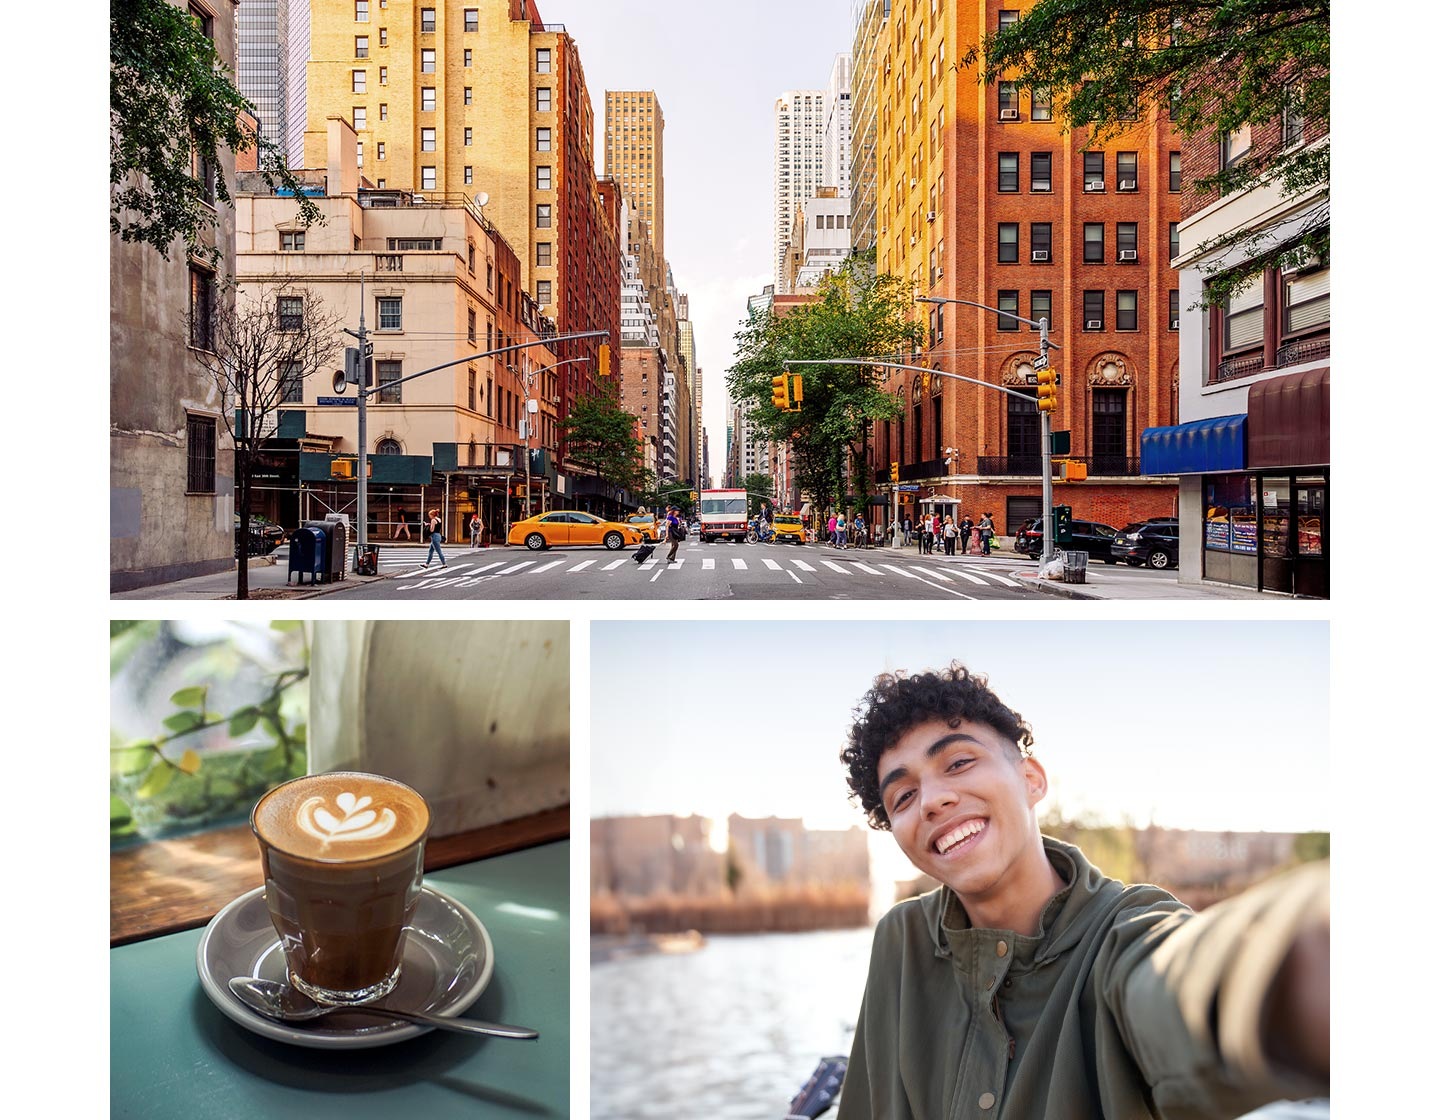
{"points": [[720, 570]]}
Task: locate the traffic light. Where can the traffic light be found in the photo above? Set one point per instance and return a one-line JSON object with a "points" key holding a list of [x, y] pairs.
{"points": [[604, 359], [894, 472], [799, 393], [780, 392], [694, 497], [1047, 395]]}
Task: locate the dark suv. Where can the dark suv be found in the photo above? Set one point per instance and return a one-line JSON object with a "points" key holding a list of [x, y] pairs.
{"points": [[1091, 537], [1155, 542]]}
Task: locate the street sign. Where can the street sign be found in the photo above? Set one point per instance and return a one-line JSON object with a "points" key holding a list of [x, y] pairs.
{"points": [[907, 487], [335, 400], [1041, 362], [1060, 443]]}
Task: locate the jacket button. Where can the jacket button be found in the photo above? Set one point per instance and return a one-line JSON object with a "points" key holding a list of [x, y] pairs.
{"points": [[987, 1100], [1001, 948]]}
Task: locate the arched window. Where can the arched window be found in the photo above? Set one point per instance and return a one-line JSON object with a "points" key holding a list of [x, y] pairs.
{"points": [[387, 447]]}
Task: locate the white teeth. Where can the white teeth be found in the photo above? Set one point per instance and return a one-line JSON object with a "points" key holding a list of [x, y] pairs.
{"points": [[957, 835]]}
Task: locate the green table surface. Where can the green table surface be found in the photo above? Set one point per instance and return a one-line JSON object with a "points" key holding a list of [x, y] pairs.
{"points": [[172, 1053]]}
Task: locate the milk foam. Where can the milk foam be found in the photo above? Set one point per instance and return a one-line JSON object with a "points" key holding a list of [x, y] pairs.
{"points": [[356, 820]]}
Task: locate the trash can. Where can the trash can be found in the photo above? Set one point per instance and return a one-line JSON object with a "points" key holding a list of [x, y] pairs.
{"points": [[1075, 563], [367, 562], [307, 554]]}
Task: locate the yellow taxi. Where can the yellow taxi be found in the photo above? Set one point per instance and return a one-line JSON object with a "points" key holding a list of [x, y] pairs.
{"points": [[645, 522], [569, 528], [788, 527]]}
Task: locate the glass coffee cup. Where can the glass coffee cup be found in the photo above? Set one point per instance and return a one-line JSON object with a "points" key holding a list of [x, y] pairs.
{"points": [[343, 855]]}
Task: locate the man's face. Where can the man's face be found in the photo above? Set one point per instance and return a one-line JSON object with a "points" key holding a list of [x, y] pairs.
{"points": [[960, 802]]}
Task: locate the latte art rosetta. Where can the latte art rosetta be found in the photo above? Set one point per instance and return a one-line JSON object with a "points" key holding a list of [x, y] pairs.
{"points": [[356, 820]]}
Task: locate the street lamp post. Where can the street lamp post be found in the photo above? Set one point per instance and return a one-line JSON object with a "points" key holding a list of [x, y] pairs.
{"points": [[530, 376]]}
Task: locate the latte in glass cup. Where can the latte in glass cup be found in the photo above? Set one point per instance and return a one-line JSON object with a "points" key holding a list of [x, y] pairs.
{"points": [[343, 855]]}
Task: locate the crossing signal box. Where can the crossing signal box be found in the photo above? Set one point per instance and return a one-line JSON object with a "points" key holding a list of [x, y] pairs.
{"points": [[799, 391], [1047, 396], [894, 472], [780, 392], [604, 359]]}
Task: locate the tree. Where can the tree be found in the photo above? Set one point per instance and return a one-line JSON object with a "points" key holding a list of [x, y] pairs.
{"points": [[856, 313], [600, 436], [1216, 67], [172, 109], [259, 353], [759, 488]]}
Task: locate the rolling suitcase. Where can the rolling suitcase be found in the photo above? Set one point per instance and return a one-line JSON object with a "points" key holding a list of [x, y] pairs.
{"points": [[644, 552]]}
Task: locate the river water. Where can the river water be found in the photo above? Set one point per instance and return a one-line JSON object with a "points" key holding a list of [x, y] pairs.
{"points": [[731, 1030]]}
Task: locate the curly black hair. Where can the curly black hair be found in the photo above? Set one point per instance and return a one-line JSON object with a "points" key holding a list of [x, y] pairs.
{"points": [[897, 702]]}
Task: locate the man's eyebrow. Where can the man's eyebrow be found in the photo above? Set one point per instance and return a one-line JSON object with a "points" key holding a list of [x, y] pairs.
{"points": [[930, 752]]}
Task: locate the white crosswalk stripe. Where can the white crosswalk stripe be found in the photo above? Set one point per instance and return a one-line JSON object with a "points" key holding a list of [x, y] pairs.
{"points": [[869, 569], [610, 567], [707, 564], [739, 564], [773, 565], [967, 575], [547, 567], [835, 567], [804, 567], [580, 567]]}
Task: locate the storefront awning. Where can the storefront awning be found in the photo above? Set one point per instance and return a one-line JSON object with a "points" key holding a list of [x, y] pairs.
{"points": [[1290, 420], [1216, 444]]}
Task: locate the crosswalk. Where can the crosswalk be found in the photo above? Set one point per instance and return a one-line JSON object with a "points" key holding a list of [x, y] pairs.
{"points": [[486, 567]]}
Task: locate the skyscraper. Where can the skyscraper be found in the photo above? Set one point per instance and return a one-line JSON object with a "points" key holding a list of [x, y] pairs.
{"points": [[298, 49], [262, 63], [835, 168], [635, 155], [870, 18], [799, 162]]}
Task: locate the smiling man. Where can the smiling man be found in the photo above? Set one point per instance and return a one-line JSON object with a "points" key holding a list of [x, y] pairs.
{"points": [[1029, 984]]}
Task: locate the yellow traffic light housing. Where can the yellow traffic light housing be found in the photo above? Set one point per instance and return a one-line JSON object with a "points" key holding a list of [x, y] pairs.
{"points": [[1047, 395], [780, 392], [798, 393], [894, 472], [604, 359]]}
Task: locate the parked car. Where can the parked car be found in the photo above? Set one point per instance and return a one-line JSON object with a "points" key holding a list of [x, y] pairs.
{"points": [[1155, 543], [263, 539], [1094, 538], [645, 522], [572, 527], [789, 527]]}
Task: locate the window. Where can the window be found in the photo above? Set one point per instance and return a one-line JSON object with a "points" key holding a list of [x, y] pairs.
{"points": [[470, 256], [388, 447], [290, 312], [1040, 172], [292, 241], [1174, 240], [1009, 171], [204, 20], [202, 306], [1234, 146], [357, 81], [384, 37], [358, 118], [469, 175], [1008, 17], [542, 100], [413, 244], [1127, 172], [1174, 172], [1127, 311], [1292, 120], [387, 373], [542, 60], [1094, 171], [469, 137], [1009, 242], [427, 62], [427, 99], [1040, 103], [542, 216], [1040, 307], [542, 292], [1094, 243], [292, 383], [380, 150], [427, 20], [1126, 241], [362, 46], [1174, 309], [472, 19], [384, 76], [1094, 311], [427, 139], [1244, 316], [387, 310], [1307, 300], [469, 59], [359, 153], [384, 111], [542, 139], [489, 277], [469, 96], [1040, 242], [199, 454], [542, 254], [1107, 427], [470, 324], [427, 178], [1009, 101], [362, 11], [542, 178], [1008, 300]]}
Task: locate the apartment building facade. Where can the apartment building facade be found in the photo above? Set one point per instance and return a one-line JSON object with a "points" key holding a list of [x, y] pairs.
{"points": [[635, 155], [981, 196], [799, 163]]}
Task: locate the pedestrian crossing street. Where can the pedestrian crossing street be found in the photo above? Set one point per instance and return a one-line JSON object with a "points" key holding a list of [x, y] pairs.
{"points": [[470, 570]]}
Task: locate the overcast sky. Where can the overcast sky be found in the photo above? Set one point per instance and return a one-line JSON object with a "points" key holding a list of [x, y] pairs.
{"points": [[717, 69]]}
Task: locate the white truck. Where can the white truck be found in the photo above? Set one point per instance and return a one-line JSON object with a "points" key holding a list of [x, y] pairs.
{"points": [[722, 514]]}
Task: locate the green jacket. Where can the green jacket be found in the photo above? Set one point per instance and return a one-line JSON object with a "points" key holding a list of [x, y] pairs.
{"points": [[1127, 1004]]}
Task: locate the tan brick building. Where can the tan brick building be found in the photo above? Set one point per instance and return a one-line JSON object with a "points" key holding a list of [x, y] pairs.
{"points": [[635, 155]]}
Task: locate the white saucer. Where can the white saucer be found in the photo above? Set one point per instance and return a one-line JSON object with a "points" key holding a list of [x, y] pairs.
{"points": [[448, 961]]}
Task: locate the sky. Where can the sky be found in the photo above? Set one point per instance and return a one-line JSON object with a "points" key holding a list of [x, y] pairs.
{"points": [[1205, 725], [717, 69]]}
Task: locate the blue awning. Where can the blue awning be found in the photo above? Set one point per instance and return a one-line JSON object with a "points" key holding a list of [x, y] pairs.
{"points": [[1216, 444]]}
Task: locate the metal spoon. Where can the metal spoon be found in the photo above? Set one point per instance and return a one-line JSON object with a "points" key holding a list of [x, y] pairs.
{"points": [[288, 1004]]}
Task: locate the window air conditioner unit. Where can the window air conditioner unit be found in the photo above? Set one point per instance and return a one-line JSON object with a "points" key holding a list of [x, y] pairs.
{"points": [[1174, 324], [1009, 114], [930, 216], [1095, 184], [1127, 184], [1092, 324], [1040, 255], [912, 241], [1127, 254], [939, 270], [554, 400]]}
